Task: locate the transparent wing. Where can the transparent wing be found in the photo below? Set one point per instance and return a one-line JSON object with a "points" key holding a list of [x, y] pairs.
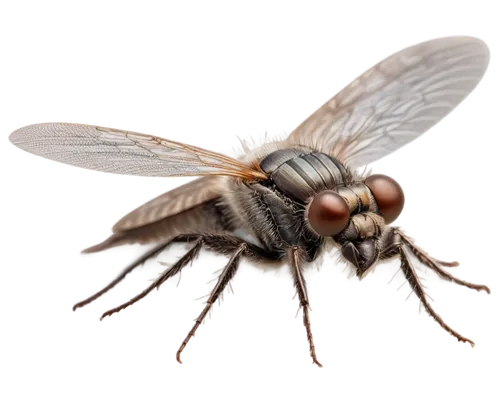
{"points": [[122, 152], [396, 101]]}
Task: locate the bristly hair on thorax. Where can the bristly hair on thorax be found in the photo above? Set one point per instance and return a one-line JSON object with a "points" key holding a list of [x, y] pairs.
{"points": [[254, 151]]}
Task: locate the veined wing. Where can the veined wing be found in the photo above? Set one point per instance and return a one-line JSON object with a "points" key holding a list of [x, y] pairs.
{"points": [[396, 101], [123, 152]]}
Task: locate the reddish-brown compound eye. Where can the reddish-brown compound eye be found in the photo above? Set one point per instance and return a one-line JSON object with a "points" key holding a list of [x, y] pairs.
{"points": [[388, 194], [328, 213]]}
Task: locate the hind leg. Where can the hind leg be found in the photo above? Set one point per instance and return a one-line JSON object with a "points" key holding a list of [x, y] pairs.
{"points": [[168, 273], [141, 260], [222, 244]]}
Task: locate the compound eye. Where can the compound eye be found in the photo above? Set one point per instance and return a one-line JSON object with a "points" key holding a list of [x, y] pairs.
{"points": [[388, 194], [328, 213]]}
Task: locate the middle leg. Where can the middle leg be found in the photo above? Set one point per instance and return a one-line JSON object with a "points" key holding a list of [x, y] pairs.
{"points": [[236, 248], [300, 285]]}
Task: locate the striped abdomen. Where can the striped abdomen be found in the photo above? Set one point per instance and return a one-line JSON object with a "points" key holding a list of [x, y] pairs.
{"points": [[301, 173]]}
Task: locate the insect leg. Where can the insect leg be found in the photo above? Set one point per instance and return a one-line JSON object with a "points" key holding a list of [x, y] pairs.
{"points": [[414, 260], [300, 285], [150, 254], [441, 269], [168, 273], [224, 278]]}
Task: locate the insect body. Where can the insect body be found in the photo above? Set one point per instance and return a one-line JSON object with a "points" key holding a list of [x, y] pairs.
{"points": [[286, 200]]}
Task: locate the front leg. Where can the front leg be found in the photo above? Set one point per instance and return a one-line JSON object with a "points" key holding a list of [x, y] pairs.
{"points": [[305, 310], [394, 246]]}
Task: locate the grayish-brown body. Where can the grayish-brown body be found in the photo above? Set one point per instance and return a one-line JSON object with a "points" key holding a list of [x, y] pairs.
{"points": [[289, 206], [275, 208]]}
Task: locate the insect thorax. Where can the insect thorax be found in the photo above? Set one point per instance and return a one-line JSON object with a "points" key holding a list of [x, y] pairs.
{"points": [[301, 173], [274, 209]]}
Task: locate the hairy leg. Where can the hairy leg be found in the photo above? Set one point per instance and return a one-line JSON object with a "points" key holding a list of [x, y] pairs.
{"points": [[222, 244], [225, 277], [443, 273], [141, 260], [236, 248], [300, 285], [168, 273], [397, 245]]}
